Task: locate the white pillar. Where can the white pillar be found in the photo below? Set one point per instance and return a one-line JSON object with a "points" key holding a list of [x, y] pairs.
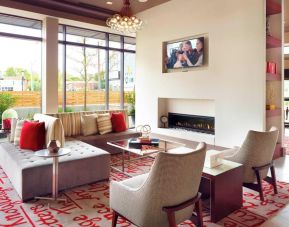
{"points": [[50, 66]]}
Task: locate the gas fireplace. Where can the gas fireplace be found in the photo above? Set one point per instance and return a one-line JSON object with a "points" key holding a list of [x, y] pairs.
{"points": [[196, 123]]}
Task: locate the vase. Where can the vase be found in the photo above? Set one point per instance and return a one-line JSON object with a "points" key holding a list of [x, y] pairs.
{"points": [[53, 146]]}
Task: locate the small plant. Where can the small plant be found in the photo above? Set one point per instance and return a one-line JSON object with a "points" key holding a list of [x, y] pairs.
{"points": [[6, 101], [130, 99], [67, 109]]}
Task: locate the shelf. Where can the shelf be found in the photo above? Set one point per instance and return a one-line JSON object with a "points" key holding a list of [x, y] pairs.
{"points": [[272, 7], [271, 76], [272, 42], [273, 113]]}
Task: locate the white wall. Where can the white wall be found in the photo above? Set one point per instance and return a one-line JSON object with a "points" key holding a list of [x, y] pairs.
{"points": [[235, 77]]}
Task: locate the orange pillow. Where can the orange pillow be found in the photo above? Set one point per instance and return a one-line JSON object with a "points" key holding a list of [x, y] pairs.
{"points": [[118, 122], [32, 136]]}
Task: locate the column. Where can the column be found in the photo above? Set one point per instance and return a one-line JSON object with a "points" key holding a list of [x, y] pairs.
{"points": [[50, 65]]}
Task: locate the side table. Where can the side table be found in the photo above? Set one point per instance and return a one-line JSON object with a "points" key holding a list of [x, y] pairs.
{"points": [[46, 154]]}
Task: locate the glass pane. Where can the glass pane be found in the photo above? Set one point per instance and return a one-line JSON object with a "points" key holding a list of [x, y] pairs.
{"points": [[20, 26], [96, 79], [114, 79], [85, 36], [114, 41], [20, 74], [129, 86], [60, 76], [129, 43], [85, 78]]}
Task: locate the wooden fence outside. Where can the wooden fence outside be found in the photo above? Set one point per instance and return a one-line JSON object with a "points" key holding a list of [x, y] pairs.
{"points": [[33, 99]]}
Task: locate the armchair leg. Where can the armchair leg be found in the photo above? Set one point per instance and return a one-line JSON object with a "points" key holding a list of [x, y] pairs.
{"points": [[260, 188], [198, 208], [171, 218], [273, 175], [114, 218]]}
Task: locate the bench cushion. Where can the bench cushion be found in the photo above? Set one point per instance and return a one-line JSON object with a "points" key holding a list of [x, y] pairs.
{"points": [[32, 176]]}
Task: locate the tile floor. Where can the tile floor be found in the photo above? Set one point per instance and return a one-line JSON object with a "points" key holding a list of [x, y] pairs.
{"points": [[281, 219]]}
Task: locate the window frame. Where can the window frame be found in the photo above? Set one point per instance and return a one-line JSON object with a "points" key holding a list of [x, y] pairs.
{"points": [[122, 51]]}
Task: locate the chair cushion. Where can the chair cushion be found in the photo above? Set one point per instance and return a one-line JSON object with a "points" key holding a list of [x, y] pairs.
{"points": [[32, 136], [89, 124], [118, 122], [104, 123]]}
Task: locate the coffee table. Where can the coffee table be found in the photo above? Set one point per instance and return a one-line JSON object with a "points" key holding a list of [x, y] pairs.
{"points": [[164, 145], [46, 154]]}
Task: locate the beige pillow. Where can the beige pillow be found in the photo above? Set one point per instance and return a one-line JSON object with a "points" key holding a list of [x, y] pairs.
{"points": [[13, 128], [89, 124], [104, 123], [17, 133]]}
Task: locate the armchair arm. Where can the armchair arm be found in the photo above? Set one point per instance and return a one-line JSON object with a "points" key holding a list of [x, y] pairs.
{"points": [[230, 153], [126, 196]]}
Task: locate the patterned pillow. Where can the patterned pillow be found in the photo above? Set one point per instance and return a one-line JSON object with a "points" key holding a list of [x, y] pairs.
{"points": [[17, 133], [89, 124], [104, 123]]}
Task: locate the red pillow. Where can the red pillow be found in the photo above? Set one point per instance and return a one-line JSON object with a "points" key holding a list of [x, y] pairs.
{"points": [[6, 124], [118, 122], [32, 136]]}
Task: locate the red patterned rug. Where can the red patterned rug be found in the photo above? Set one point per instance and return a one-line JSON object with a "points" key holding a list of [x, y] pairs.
{"points": [[89, 205]]}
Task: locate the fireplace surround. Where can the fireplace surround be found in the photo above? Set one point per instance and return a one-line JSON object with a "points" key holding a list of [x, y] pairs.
{"points": [[196, 123]]}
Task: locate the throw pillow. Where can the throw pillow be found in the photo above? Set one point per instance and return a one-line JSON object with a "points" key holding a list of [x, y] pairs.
{"points": [[32, 136], [118, 122], [6, 124], [17, 133], [89, 124], [104, 123], [13, 127]]}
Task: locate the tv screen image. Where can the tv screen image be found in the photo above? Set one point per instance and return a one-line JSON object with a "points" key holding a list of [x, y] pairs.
{"points": [[185, 53]]}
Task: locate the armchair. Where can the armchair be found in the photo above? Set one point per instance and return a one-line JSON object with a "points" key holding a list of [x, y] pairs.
{"points": [[256, 154], [166, 195]]}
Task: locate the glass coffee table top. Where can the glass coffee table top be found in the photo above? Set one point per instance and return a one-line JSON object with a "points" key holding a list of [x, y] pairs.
{"points": [[164, 145]]}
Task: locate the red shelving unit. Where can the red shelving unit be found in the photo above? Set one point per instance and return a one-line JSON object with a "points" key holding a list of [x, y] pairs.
{"points": [[272, 42], [270, 76], [273, 113], [272, 7]]}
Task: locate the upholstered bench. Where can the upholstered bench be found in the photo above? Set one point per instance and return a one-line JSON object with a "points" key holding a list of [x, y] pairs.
{"points": [[32, 176]]}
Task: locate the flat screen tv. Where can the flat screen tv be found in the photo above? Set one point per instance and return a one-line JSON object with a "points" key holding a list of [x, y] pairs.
{"points": [[185, 53]]}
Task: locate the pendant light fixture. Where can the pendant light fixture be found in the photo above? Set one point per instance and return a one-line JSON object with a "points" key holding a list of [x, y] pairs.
{"points": [[125, 21]]}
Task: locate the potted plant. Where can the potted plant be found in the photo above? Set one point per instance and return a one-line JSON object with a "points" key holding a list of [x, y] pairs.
{"points": [[130, 99], [7, 100]]}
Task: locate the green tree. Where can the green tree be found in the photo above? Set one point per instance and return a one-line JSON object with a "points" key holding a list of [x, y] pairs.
{"points": [[33, 79]]}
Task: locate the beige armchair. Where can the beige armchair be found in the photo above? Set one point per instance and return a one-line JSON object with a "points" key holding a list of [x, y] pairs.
{"points": [[256, 154], [166, 195]]}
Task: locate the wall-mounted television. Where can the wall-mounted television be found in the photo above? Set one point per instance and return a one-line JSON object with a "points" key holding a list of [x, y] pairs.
{"points": [[185, 53]]}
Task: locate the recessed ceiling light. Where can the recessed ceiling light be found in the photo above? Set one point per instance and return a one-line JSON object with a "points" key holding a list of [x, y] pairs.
{"points": [[109, 3], [142, 0]]}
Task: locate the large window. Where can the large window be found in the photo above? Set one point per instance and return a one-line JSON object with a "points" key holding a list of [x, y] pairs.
{"points": [[96, 70], [20, 65]]}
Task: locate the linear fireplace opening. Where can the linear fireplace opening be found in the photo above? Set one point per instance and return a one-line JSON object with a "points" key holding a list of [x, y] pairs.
{"points": [[196, 123]]}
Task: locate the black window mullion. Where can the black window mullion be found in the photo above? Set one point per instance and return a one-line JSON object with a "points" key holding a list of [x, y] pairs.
{"points": [[107, 72], [122, 74], [64, 72]]}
